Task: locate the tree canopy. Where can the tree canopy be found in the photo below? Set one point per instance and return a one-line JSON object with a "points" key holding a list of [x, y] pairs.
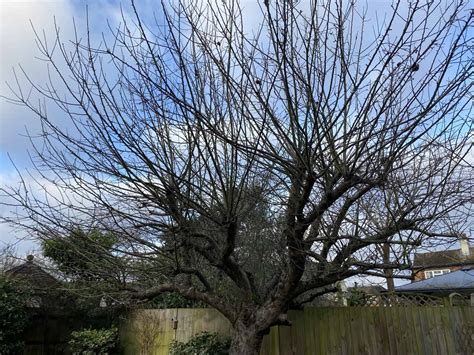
{"points": [[76, 254]]}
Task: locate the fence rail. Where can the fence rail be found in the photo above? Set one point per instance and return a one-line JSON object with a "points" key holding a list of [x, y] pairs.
{"points": [[323, 330]]}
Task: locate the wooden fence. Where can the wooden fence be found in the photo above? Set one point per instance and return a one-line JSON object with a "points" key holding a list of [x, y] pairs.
{"points": [[323, 330]]}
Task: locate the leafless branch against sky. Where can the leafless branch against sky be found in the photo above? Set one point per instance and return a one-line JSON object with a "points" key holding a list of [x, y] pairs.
{"points": [[251, 166]]}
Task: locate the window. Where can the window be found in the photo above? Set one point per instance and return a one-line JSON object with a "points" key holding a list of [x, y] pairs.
{"points": [[433, 273]]}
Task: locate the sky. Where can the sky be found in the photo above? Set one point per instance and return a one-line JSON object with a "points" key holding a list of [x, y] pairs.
{"points": [[18, 47]]}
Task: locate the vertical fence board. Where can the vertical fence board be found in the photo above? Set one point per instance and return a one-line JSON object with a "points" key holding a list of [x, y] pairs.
{"points": [[360, 333], [297, 332], [322, 330], [413, 331], [371, 329], [449, 336], [425, 323], [383, 345], [309, 337], [332, 331], [387, 324], [342, 331], [401, 327], [440, 333], [350, 324], [435, 341], [339, 338]]}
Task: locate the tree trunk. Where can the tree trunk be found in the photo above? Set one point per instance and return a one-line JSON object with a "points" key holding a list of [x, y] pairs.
{"points": [[388, 272], [246, 340]]}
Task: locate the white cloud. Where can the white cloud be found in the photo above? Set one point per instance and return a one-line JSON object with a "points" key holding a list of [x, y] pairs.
{"points": [[18, 47]]}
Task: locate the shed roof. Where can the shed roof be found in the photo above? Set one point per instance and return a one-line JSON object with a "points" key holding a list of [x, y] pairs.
{"points": [[454, 281]]}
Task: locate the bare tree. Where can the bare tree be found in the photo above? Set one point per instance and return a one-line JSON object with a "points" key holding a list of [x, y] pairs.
{"points": [[8, 258], [349, 134]]}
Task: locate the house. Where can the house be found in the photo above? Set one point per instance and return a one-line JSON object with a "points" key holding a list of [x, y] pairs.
{"points": [[428, 265], [41, 284], [50, 318], [32, 274], [54, 312]]}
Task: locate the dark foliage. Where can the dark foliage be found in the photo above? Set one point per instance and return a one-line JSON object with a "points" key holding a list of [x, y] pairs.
{"points": [[203, 344], [14, 317]]}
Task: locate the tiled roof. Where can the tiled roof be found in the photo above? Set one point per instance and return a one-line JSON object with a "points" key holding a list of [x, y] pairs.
{"points": [[32, 274], [442, 258]]}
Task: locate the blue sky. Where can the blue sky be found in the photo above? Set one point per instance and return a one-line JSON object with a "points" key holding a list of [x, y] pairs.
{"points": [[17, 46]]}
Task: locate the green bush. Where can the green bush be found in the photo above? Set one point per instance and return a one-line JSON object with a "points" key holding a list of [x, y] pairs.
{"points": [[357, 298], [203, 344], [94, 341], [13, 317]]}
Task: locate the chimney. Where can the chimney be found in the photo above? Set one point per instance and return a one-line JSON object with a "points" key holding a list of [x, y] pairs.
{"points": [[464, 242]]}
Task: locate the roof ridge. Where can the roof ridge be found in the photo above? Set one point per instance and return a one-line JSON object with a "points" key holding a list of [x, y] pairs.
{"points": [[442, 251]]}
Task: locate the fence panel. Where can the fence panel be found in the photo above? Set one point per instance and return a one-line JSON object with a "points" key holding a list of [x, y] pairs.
{"points": [[427, 330]]}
